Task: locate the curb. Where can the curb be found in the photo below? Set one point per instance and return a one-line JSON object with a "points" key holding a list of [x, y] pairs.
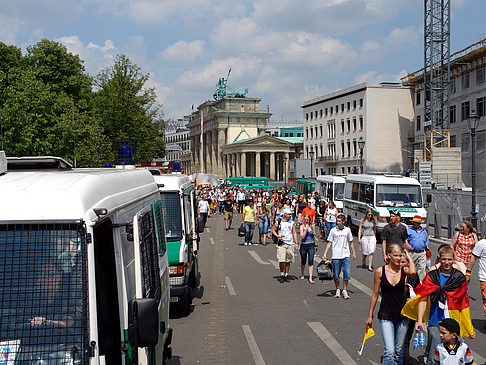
{"points": [[439, 241]]}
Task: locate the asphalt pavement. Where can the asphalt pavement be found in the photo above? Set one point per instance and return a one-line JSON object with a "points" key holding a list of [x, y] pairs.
{"points": [[241, 314]]}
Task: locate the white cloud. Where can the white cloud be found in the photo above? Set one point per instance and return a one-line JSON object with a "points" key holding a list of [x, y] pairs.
{"points": [[374, 78], [161, 90], [400, 37], [9, 28], [183, 51]]}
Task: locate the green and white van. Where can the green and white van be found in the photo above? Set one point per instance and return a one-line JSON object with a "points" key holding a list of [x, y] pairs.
{"points": [[83, 266], [331, 187], [382, 193], [179, 208]]}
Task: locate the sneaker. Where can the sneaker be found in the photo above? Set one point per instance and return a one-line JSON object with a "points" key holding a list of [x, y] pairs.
{"points": [[246, 243], [249, 243], [345, 294], [338, 293], [281, 279], [287, 279]]}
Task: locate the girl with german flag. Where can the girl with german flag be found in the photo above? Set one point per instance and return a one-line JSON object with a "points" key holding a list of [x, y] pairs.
{"points": [[442, 294]]}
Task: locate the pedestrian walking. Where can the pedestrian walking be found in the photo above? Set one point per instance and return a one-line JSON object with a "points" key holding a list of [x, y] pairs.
{"points": [[418, 244], [248, 219], [341, 239], [479, 254], [320, 216], [447, 289], [221, 199], [228, 207], [299, 207], [203, 210], [240, 199], [390, 280], [330, 216], [393, 232], [307, 247], [463, 242], [452, 349], [263, 224], [367, 239], [286, 234], [310, 211]]}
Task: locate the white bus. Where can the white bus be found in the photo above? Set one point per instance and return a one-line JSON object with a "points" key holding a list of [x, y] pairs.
{"points": [[331, 187], [382, 193], [83, 265]]}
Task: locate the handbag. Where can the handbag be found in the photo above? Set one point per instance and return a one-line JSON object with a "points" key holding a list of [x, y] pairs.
{"points": [[324, 270], [241, 231]]}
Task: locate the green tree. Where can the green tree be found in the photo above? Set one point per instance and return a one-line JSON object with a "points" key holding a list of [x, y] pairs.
{"points": [[128, 109]]}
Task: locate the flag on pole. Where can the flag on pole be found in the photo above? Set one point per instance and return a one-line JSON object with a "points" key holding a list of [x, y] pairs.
{"points": [[369, 333]]}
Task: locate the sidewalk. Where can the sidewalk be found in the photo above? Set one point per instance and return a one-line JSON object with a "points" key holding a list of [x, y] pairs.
{"points": [[439, 241]]}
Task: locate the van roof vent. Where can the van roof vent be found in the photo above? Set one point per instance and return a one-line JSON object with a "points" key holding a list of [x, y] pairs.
{"points": [[37, 163], [3, 162]]}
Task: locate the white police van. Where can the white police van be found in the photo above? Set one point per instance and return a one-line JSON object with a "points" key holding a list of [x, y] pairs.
{"points": [[83, 265], [382, 193], [331, 187]]}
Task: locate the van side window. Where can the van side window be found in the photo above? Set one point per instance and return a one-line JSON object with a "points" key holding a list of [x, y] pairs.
{"points": [[187, 213], [362, 192], [160, 228], [149, 257], [355, 192]]}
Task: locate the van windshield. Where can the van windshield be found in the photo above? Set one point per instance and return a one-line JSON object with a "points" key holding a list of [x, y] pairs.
{"points": [[171, 208], [339, 191], [398, 195], [43, 294]]}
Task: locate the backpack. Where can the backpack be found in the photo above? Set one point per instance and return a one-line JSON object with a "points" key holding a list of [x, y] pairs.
{"points": [[324, 270]]}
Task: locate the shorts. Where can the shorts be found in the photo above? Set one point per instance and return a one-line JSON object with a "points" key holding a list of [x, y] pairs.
{"points": [[285, 253], [228, 215], [345, 265], [368, 245], [483, 295]]}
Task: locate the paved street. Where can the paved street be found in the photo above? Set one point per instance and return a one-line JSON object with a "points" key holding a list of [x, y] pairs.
{"points": [[243, 315]]}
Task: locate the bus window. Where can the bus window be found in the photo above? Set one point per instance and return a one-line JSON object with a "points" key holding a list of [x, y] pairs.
{"points": [[395, 195], [362, 192], [338, 191], [355, 192]]}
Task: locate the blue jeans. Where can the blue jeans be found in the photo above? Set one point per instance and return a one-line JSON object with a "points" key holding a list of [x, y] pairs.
{"points": [[433, 339], [393, 334], [249, 228], [345, 265], [204, 217], [263, 227], [307, 249], [329, 226]]}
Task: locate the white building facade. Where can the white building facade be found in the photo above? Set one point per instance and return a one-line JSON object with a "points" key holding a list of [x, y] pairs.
{"points": [[378, 115], [177, 136]]}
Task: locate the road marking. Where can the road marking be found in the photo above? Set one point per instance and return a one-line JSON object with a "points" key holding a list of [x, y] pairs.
{"points": [[211, 239], [305, 302], [374, 363], [257, 258], [229, 286], [274, 263], [361, 286], [331, 342], [255, 351]]}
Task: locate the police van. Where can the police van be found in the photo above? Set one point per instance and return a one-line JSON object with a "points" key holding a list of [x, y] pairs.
{"points": [[179, 211], [83, 265], [382, 193], [331, 187]]}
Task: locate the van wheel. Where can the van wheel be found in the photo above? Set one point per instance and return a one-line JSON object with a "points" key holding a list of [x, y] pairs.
{"points": [[185, 303]]}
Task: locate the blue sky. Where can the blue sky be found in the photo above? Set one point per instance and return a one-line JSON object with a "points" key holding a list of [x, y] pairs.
{"points": [[284, 51]]}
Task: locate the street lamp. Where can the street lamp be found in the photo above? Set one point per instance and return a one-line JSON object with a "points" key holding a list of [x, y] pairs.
{"points": [[311, 154], [284, 160], [473, 122], [361, 144]]}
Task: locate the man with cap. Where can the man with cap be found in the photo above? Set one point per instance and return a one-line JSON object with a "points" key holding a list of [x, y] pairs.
{"points": [[284, 230], [418, 243], [394, 232]]}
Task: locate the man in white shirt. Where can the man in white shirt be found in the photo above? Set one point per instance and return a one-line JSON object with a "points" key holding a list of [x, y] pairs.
{"points": [[286, 233], [341, 239], [479, 253], [203, 209]]}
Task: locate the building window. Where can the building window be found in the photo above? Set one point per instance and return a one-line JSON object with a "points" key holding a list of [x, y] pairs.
{"points": [[306, 133], [465, 108], [417, 98], [312, 132], [342, 149], [361, 124], [348, 105], [320, 113], [452, 114], [337, 109], [311, 115], [349, 148], [342, 126], [316, 114], [481, 106], [361, 102], [325, 112], [354, 104], [286, 135], [480, 75], [331, 110], [354, 124], [320, 147], [306, 116], [316, 133], [320, 128], [342, 108], [465, 81], [452, 86], [418, 122], [355, 152], [343, 171], [349, 124]]}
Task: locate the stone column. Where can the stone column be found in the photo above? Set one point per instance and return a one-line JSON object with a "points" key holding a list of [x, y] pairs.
{"points": [[221, 143], [243, 164], [233, 168], [286, 166], [214, 151], [206, 161], [272, 166], [258, 170]]}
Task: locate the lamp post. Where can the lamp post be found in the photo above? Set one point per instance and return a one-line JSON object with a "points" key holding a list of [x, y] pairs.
{"points": [[311, 155], [361, 144], [284, 160], [473, 122]]}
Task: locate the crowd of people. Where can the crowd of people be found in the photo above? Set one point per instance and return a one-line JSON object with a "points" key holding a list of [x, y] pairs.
{"points": [[413, 291]]}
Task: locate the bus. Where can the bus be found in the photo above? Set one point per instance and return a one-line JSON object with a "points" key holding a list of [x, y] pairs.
{"points": [[246, 181], [331, 187], [305, 186], [382, 193]]}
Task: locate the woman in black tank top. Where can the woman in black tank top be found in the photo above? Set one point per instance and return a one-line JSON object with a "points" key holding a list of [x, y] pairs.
{"points": [[391, 280]]}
